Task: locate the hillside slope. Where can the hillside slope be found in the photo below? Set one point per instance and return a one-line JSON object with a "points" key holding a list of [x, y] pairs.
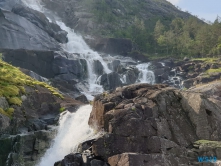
{"points": [[104, 17]]}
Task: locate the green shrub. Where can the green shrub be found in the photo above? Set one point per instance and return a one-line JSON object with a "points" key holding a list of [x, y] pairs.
{"points": [[3, 112], [10, 111], [62, 109], [15, 100]]}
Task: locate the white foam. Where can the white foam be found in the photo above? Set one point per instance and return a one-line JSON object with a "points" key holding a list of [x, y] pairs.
{"points": [[73, 129], [145, 75]]}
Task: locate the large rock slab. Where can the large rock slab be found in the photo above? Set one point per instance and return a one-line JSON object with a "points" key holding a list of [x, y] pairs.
{"points": [[48, 64], [153, 119], [133, 159], [19, 33], [40, 20], [25, 149], [38, 61], [110, 81], [112, 46]]}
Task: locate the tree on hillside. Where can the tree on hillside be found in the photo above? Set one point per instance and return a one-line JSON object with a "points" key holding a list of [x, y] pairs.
{"points": [[158, 35]]}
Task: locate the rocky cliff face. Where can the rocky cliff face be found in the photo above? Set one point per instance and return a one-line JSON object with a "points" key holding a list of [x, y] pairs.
{"points": [[27, 135], [28, 108], [19, 33], [152, 124], [25, 28]]}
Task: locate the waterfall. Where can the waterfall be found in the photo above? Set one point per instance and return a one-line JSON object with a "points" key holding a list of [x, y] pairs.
{"points": [[145, 76], [76, 44], [33, 4], [73, 129], [175, 79]]}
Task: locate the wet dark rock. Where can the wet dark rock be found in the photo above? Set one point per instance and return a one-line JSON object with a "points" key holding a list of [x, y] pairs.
{"points": [[69, 69], [187, 67], [138, 56], [42, 22], [159, 71], [168, 62], [66, 86], [132, 159], [114, 65], [110, 81], [155, 65], [98, 67], [82, 98], [37, 61], [26, 148], [131, 75], [74, 160], [19, 33], [34, 75], [188, 83], [86, 145], [80, 159], [64, 73], [96, 162], [114, 46]]}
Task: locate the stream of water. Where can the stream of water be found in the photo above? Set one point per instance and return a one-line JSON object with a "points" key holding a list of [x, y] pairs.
{"points": [[73, 129], [146, 75]]}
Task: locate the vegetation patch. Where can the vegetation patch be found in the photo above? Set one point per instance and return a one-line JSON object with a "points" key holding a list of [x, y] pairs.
{"points": [[207, 143], [15, 101], [12, 85], [206, 60], [62, 109], [211, 71], [3, 112]]}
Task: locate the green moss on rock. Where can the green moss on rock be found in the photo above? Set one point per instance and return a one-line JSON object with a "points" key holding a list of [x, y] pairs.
{"points": [[211, 71], [15, 101], [12, 85], [208, 143]]}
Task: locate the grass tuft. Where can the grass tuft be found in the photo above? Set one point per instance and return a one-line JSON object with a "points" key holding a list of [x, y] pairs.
{"points": [[206, 60], [211, 71], [15, 101], [12, 85]]}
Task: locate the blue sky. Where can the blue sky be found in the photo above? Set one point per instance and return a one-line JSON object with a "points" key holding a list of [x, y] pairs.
{"points": [[207, 9]]}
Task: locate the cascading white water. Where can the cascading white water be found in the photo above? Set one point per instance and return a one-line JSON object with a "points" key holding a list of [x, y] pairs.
{"points": [[33, 4], [73, 129], [145, 76], [175, 80], [76, 44]]}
